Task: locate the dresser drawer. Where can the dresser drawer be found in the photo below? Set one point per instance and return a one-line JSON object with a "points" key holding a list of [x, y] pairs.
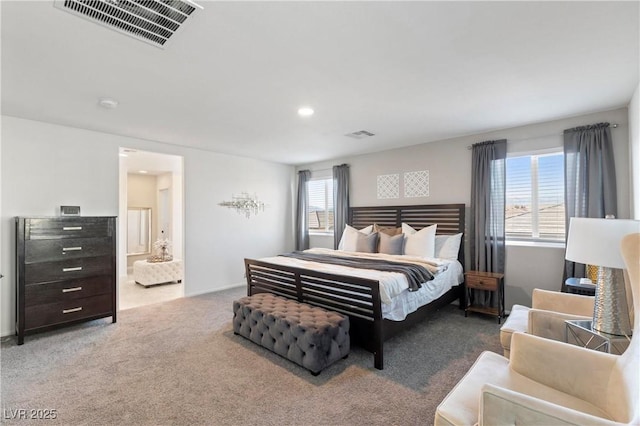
{"points": [[54, 228], [67, 269], [61, 312], [480, 282], [66, 248], [63, 291]]}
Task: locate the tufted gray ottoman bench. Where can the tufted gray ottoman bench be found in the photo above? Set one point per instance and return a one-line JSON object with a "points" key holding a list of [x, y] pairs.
{"points": [[312, 337]]}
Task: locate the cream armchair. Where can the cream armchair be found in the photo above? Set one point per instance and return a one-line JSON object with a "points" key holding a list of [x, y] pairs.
{"points": [[546, 316], [549, 383]]}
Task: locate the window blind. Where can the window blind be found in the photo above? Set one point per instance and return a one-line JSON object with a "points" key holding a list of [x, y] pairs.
{"points": [[535, 197], [320, 194]]}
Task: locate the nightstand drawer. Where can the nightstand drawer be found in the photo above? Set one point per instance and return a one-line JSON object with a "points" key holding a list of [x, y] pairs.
{"points": [[486, 281], [481, 283]]}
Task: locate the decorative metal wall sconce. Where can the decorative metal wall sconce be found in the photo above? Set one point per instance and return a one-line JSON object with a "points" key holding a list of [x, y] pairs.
{"points": [[245, 204]]}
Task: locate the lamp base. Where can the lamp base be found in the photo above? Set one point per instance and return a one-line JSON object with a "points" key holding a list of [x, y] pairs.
{"points": [[610, 309]]}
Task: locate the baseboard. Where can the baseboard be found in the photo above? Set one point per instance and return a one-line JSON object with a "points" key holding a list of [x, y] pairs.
{"points": [[230, 286]]}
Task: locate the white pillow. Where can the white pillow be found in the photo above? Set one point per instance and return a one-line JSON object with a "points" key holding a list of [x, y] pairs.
{"points": [[447, 246], [419, 243], [349, 237]]}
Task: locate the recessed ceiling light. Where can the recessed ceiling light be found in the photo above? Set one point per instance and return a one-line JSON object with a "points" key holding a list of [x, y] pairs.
{"points": [[108, 103], [143, 171], [122, 154], [305, 111]]}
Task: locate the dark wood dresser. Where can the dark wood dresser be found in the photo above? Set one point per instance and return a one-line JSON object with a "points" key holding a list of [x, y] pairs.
{"points": [[65, 271]]}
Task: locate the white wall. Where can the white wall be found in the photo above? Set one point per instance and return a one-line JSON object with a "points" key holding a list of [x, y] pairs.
{"points": [[634, 152], [449, 165], [164, 183], [45, 166], [177, 214]]}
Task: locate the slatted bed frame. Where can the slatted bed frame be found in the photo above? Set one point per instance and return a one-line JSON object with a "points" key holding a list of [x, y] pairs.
{"points": [[359, 298]]}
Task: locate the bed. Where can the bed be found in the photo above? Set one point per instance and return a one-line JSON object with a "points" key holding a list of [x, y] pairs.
{"points": [[372, 322]]}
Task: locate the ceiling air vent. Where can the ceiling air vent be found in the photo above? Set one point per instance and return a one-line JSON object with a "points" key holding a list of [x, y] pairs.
{"points": [[152, 21], [360, 134]]}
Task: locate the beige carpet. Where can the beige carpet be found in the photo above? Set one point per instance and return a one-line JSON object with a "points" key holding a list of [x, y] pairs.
{"points": [[179, 363]]}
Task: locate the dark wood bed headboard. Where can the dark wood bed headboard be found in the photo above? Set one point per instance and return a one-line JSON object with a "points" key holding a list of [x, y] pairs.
{"points": [[449, 217]]}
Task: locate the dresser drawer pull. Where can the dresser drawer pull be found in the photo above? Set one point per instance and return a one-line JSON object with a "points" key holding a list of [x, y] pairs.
{"points": [[69, 290], [71, 248], [77, 268], [68, 311], [72, 228]]}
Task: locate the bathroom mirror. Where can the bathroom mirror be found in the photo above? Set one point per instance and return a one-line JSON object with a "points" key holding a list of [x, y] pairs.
{"points": [[138, 230]]}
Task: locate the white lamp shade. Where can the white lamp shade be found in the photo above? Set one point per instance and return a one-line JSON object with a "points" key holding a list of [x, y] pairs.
{"points": [[597, 241]]}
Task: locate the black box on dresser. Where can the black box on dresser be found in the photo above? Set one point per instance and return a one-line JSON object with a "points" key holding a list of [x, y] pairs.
{"points": [[65, 271]]}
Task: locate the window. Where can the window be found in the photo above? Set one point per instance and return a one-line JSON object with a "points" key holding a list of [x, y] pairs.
{"points": [[535, 198], [320, 198]]}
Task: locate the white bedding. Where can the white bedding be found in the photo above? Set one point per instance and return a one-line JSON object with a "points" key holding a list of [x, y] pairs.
{"points": [[397, 300], [409, 301]]}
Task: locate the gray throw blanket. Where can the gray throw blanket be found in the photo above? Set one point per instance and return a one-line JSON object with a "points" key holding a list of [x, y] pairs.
{"points": [[416, 274]]}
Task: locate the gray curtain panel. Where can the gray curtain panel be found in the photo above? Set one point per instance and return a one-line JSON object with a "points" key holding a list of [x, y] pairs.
{"points": [[302, 211], [487, 233], [589, 179], [340, 201]]}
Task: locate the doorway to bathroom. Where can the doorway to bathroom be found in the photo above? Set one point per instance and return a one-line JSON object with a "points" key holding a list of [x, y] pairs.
{"points": [[151, 242]]}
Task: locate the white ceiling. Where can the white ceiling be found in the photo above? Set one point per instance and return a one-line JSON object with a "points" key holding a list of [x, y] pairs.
{"points": [[410, 72]]}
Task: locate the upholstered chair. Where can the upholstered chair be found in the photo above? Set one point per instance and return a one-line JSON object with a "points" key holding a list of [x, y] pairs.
{"points": [[545, 318], [548, 382]]}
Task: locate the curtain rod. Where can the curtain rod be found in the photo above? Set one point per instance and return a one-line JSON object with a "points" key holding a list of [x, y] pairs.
{"points": [[612, 126], [329, 169]]}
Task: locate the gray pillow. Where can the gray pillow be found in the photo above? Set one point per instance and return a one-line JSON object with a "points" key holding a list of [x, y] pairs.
{"points": [[367, 243], [391, 244]]}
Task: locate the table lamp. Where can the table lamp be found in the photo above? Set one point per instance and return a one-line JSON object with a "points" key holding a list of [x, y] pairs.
{"points": [[597, 242]]}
